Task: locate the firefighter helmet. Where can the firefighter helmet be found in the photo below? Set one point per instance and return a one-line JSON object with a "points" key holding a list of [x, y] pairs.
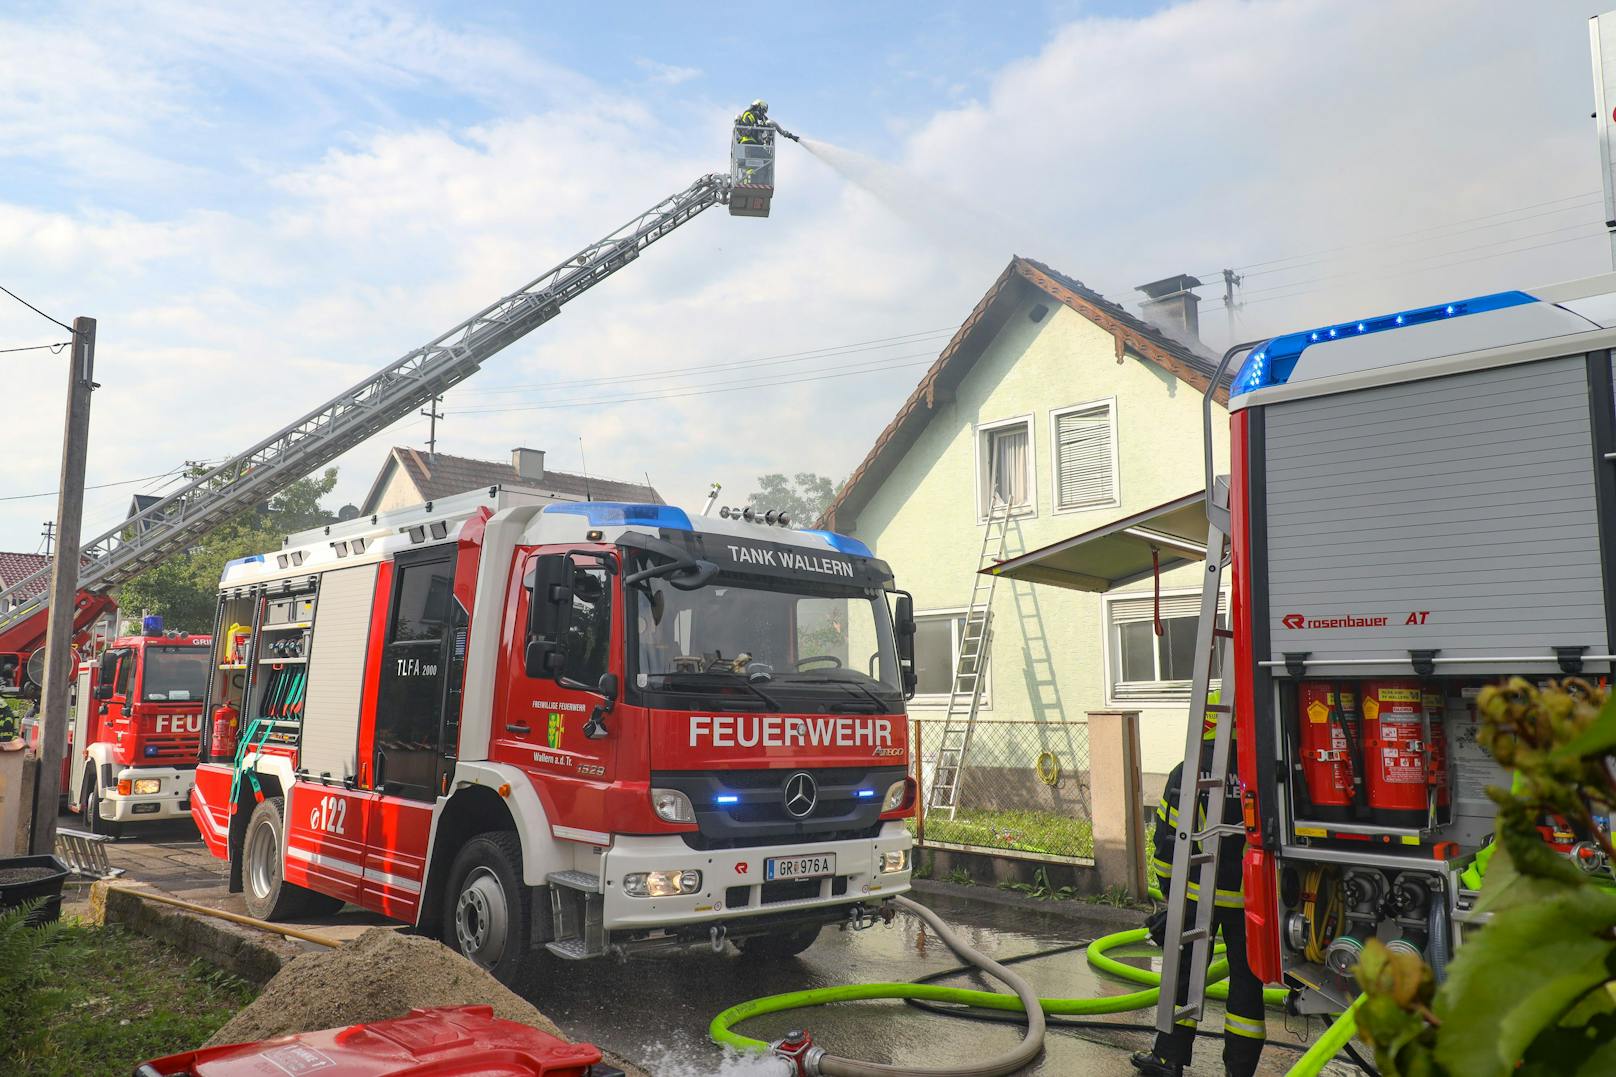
{"points": [[760, 105]]}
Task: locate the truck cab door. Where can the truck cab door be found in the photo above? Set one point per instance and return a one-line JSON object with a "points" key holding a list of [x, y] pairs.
{"points": [[417, 722]]}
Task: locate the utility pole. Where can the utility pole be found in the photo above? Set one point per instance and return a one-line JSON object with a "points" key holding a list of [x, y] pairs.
{"points": [[50, 526], [64, 588], [1231, 280], [433, 414]]}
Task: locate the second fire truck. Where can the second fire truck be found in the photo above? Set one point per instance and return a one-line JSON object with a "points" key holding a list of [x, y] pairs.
{"points": [[593, 727]]}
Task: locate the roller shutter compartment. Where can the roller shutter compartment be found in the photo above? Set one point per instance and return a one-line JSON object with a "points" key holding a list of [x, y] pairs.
{"points": [[337, 672], [1456, 513]]}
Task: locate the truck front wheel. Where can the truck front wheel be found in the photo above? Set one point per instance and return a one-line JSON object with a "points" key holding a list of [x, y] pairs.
{"points": [[269, 895], [781, 945], [91, 802], [485, 916]]}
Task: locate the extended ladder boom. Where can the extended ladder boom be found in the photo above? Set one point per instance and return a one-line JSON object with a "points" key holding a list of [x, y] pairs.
{"points": [[181, 519]]}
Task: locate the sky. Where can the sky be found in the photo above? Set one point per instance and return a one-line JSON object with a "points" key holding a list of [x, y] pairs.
{"points": [[263, 205]]}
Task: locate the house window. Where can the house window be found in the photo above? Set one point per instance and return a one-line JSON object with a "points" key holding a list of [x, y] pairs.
{"points": [[1085, 456], [938, 638], [1145, 667], [1004, 464]]}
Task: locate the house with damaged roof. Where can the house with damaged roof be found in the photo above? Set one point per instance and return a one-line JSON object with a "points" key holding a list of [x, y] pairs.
{"points": [[1076, 413]]}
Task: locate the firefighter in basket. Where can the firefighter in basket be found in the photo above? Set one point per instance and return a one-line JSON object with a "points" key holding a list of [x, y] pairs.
{"points": [[753, 124], [1245, 1029]]}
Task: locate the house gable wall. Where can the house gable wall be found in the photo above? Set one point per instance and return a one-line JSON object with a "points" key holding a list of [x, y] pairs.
{"points": [[924, 517]]}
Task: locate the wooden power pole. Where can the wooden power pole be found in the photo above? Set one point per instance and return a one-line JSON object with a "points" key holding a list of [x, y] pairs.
{"points": [[64, 588]]}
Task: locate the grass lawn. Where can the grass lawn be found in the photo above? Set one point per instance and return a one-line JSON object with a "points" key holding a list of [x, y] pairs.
{"points": [[1021, 830], [76, 999]]}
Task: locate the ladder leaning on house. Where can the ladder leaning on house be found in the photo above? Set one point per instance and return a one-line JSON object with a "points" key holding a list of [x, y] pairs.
{"points": [[970, 667], [1196, 836]]}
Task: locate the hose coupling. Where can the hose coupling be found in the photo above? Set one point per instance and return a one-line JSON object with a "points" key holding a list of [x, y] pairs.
{"points": [[799, 1052]]}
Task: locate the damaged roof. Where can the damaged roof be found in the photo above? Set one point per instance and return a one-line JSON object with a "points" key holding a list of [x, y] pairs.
{"points": [[1022, 278]]}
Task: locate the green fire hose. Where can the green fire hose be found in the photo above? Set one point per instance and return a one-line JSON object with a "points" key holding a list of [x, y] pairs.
{"points": [[721, 1030]]}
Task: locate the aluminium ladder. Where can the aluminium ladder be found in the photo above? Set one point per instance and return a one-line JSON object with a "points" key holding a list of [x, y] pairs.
{"points": [[181, 519], [1196, 844], [970, 667]]}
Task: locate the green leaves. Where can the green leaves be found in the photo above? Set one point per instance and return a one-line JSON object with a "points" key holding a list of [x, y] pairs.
{"points": [[1513, 982]]}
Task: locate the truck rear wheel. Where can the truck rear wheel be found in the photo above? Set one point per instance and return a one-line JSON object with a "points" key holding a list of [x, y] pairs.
{"points": [[91, 802], [485, 914], [269, 896], [782, 945]]}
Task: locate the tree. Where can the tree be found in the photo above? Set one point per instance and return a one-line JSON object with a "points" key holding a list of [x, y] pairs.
{"points": [[803, 497], [184, 589], [1534, 993]]}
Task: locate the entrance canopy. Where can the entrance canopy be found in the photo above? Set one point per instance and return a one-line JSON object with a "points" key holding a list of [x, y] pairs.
{"points": [[1123, 552]]}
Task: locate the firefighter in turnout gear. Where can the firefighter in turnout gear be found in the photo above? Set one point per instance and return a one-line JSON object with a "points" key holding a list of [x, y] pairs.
{"points": [[756, 116], [1244, 1026]]}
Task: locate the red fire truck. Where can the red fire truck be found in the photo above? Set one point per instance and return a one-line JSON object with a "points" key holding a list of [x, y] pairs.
{"points": [[138, 718], [594, 727]]}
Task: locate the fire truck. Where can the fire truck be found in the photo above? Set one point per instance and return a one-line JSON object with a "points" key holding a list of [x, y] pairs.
{"points": [[1419, 504], [137, 725], [597, 728]]}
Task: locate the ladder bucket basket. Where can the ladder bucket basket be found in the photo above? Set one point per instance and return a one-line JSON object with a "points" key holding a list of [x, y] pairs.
{"points": [[751, 170]]}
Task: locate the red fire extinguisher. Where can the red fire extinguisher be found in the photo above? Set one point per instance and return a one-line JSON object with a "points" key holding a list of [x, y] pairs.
{"points": [[225, 721], [1396, 755], [1328, 742]]}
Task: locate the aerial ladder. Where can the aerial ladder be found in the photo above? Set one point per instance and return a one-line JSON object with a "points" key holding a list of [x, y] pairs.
{"points": [[180, 520]]}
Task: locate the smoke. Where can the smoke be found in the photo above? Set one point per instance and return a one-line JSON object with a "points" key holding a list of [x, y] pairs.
{"points": [[948, 221]]}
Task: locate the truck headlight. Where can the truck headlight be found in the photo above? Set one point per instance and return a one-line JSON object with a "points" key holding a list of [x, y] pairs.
{"points": [[897, 795], [661, 883], [147, 786], [672, 806], [895, 861]]}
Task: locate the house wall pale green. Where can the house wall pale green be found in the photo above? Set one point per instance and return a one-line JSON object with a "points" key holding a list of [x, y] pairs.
{"points": [[924, 521]]}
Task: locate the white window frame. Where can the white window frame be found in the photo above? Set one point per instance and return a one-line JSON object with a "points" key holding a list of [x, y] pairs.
{"points": [[939, 700], [1110, 404], [979, 460], [1172, 694]]}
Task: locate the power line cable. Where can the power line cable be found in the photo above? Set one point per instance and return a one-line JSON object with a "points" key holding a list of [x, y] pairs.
{"points": [[33, 308], [97, 486], [784, 358], [55, 348]]}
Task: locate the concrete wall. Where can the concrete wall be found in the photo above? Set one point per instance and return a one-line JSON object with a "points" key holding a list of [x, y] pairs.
{"points": [[923, 519]]}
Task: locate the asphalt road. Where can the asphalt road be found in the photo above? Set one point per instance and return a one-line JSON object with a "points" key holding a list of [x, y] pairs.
{"points": [[655, 1009]]}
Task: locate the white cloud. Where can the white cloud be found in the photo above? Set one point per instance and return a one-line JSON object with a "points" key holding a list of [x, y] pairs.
{"points": [[666, 74], [1212, 134]]}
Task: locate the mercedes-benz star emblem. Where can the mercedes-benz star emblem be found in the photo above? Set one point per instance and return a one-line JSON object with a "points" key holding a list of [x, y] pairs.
{"points": [[801, 795]]}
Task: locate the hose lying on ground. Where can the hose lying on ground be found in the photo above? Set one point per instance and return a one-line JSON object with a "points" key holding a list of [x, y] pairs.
{"points": [[721, 1031]]}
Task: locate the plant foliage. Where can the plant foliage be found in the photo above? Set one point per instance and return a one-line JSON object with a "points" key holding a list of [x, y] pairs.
{"points": [[1533, 993]]}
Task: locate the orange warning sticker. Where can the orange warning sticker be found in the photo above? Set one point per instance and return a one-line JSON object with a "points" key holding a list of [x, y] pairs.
{"points": [[1371, 710], [1317, 712], [1399, 695]]}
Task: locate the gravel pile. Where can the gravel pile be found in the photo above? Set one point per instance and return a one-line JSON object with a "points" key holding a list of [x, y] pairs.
{"points": [[19, 876], [379, 975]]}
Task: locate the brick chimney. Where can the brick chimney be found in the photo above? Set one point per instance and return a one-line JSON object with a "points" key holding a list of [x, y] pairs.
{"points": [[1172, 307], [528, 463]]}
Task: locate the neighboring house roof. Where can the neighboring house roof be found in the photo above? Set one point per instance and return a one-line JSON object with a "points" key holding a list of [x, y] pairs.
{"points": [[16, 566], [442, 475], [139, 504], [1132, 334]]}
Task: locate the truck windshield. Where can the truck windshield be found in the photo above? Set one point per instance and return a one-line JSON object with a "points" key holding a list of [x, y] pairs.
{"points": [[766, 644], [174, 674]]}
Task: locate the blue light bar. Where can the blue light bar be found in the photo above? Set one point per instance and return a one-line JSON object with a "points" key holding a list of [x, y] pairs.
{"points": [[726, 798], [1273, 362], [865, 794], [623, 513], [841, 543]]}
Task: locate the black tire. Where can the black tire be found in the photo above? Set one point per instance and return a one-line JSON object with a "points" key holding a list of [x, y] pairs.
{"points": [[91, 807], [269, 896], [485, 912], [780, 945]]}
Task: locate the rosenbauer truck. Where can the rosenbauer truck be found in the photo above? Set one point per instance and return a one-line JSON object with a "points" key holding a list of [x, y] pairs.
{"points": [[1419, 504], [592, 727], [136, 727]]}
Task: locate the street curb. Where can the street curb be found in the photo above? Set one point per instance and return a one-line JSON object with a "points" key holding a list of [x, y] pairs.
{"points": [[1106, 918], [249, 954]]}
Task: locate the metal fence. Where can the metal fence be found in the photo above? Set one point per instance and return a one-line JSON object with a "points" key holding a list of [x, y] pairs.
{"points": [[1024, 790]]}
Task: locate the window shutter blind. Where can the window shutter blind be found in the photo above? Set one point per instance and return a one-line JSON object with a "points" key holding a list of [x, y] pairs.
{"points": [[1083, 457], [1133, 610]]}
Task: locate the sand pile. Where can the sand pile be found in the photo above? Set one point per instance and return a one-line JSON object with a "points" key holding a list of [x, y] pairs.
{"points": [[379, 975]]}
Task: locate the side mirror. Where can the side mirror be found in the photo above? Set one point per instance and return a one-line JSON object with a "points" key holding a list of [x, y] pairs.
{"points": [[903, 627], [549, 614], [107, 673], [608, 687], [103, 691]]}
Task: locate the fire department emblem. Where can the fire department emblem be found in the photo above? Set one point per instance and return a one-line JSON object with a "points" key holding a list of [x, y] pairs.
{"points": [[557, 724]]}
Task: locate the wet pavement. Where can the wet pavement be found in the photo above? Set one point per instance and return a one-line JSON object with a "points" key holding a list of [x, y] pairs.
{"points": [[655, 1009]]}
